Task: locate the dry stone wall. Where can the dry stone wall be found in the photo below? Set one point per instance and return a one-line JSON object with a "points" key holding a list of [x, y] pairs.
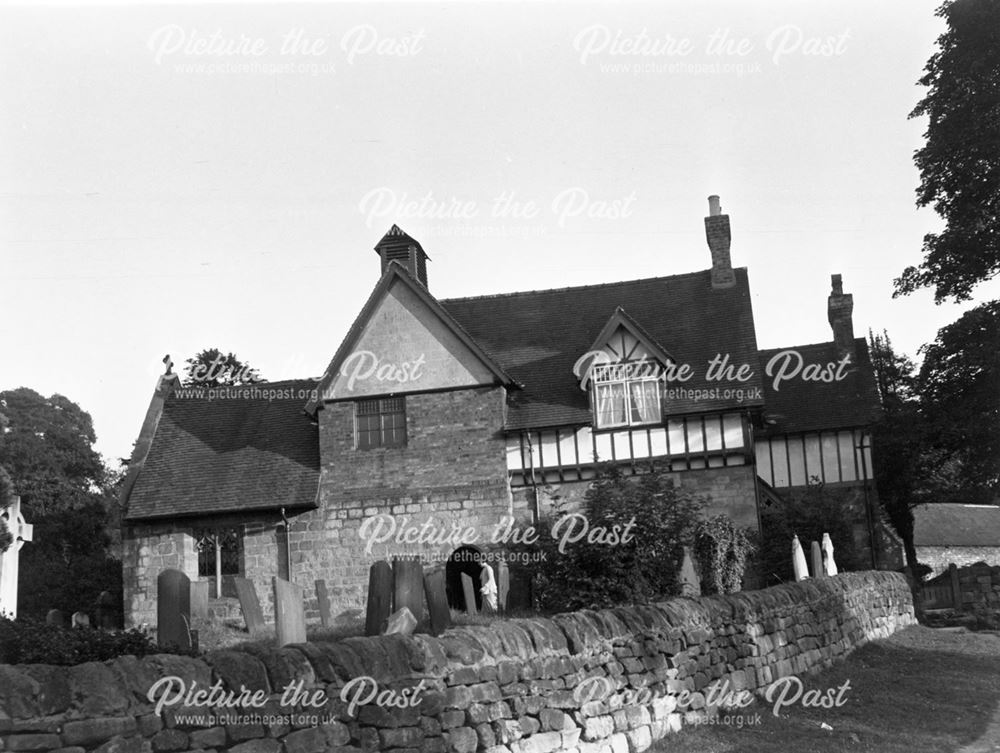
{"points": [[609, 681]]}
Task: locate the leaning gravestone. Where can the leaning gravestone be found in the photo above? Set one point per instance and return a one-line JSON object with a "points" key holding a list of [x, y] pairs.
{"points": [[173, 610], [199, 599], [408, 579], [469, 591], [401, 622], [253, 615], [379, 597], [323, 603], [80, 620], [55, 617], [817, 560], [289, 612], [503, 584], [437, 601]]}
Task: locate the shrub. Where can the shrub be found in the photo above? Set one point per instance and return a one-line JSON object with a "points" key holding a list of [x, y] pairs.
{"points": [[29, 641], [722, 550], [654, 520]]}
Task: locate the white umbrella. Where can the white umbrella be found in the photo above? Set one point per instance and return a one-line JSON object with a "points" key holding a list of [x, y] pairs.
{"points": [[831, 565], [799, 560]]}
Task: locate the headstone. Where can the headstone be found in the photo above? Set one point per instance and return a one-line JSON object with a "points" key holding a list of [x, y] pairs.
{"points": [[437, 601], [817, 561], [289, 612], [173, 610], [253, 615], [323, 602], [689, 581], [408, 580], [80, 620], [503, 584], [469, 591], [107, 611], [20, 533], [488, 588], [400, 622], [55, 617], [199, 599], [379, 597]]}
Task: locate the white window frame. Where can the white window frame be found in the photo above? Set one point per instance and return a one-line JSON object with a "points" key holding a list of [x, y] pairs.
{"points": [[611, 374]]}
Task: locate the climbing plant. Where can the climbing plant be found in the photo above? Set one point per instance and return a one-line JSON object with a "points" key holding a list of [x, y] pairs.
{"points": [[723, 550]]}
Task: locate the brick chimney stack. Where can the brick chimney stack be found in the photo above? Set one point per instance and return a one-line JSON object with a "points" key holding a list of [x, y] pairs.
{"points": [[840, 308], [718, 236], [397, 246]]}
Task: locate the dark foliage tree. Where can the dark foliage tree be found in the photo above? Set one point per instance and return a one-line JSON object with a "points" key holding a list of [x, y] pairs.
{"points": [[213, 368], [959, 387], [46, 445], [960, 161]]}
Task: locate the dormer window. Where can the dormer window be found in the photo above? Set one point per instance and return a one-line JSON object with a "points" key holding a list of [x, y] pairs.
{"points": [[626, 394], [624, 373]]}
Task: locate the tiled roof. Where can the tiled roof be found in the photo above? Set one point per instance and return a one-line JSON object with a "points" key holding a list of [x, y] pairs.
{"points": [[229, 455], [956, 525], [798, 405], [537, 336]]}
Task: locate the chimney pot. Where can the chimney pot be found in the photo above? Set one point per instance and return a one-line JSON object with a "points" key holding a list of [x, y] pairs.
{"points": [[714, 207]]}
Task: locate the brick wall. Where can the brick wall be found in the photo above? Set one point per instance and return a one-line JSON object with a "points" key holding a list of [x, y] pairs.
{"points": [[590, 682]]}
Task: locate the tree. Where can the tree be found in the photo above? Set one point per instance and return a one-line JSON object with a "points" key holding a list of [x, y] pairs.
{"points": [[46, 445], [654, 520], [960, 161], [959, 387], [212, 368], [898, 439]]}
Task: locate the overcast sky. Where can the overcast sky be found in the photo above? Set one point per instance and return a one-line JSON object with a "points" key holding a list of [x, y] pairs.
{"points": [[174, 178]]}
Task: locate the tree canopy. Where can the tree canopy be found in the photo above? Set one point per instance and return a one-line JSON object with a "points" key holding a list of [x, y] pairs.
{"points": [[213, 368], [960, 161]]}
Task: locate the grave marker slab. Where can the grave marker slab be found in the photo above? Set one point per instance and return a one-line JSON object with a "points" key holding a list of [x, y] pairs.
{"points": [[408, 579], [81, 620], [689, 582], [289, 612], [401, 622], [323, 602], [199, 599], [20, 532], [437, 601], [379, 597], [173, 610], [55, 617], [469, 591], [503, 584], [817, 561], [253, 615], [107, 611]]}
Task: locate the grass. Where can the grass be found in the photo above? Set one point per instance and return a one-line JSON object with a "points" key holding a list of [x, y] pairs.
{"points": [[922, 690]]}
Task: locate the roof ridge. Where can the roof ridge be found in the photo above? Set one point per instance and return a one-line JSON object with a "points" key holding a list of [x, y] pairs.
{"points": [[810, 345], [444, 301]]}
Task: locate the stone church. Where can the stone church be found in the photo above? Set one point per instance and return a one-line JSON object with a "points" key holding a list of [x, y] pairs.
{"points": [[442, 426]]}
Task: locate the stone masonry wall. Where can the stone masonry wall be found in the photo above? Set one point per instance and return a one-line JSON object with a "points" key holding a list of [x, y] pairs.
{"points": [[939, 557], [515, 686]]}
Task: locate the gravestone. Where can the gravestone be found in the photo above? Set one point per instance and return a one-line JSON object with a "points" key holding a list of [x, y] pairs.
{"points": [[689, 582], [199, 599], [437, 601], [55, 617], [253, 615], [289, 612], [469, 591], [20, 533], [379, 597], [80, 620], [323, 602], [107, 611], [408, 580], [173, 610], [503, 584], [817, 561], [400, 622]]}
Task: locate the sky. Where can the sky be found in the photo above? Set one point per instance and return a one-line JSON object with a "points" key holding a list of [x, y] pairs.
{"points": [[190, 176]]}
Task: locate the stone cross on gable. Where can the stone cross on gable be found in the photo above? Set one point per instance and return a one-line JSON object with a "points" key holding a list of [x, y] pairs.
{"points": [[21, 532]]}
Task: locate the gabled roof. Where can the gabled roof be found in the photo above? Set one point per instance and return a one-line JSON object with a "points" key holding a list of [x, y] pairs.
{"points": [[621, 320], [799, 405], [397, 272], [537, 336], [254, 453], [956, 525]]}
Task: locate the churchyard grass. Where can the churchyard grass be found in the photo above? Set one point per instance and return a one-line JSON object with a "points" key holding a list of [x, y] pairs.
{"points": [[920, 691]]}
